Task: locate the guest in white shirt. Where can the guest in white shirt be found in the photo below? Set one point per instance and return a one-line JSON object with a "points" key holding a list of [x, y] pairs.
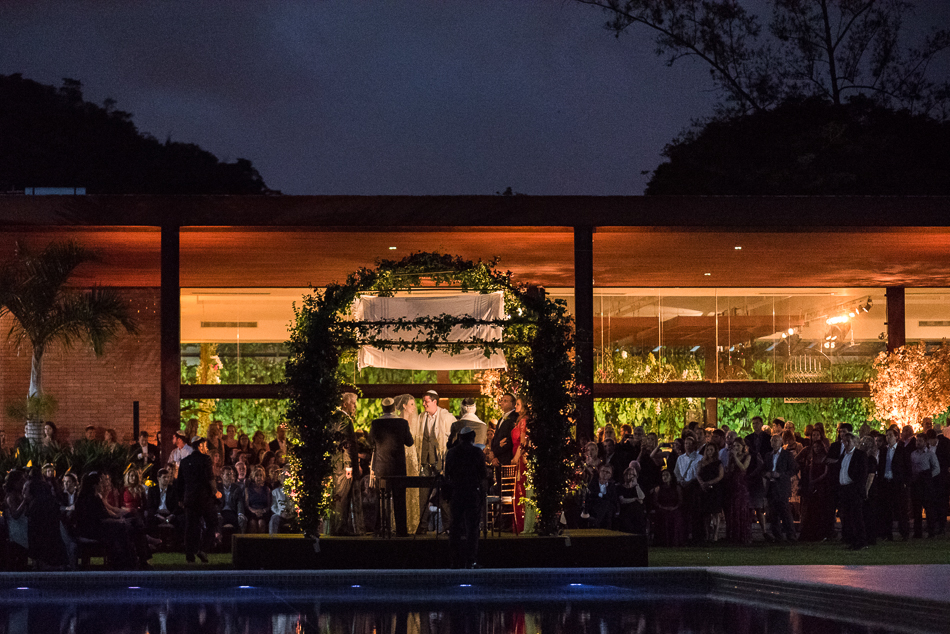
{"points": [[924, 467]]}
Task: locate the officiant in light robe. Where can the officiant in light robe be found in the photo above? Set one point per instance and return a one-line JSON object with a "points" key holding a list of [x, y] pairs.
{"points": [[431, 435]]}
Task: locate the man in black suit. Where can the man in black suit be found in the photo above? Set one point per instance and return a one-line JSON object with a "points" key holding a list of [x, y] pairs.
{"points": [[852, 491], [467, 477], [893, 476], [198, 492], [389, 435], [145, 455], [760, 439], [161, 503], [780, 466], [279, 443], [501, 444]]}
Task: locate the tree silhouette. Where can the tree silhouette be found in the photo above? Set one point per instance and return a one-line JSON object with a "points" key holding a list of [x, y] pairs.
{"points": [[52, 137]]}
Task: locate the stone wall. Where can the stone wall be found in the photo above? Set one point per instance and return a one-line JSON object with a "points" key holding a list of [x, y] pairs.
{"points": [[92, 390]]}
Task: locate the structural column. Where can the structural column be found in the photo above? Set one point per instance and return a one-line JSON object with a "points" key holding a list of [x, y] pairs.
{"points": [[896, 330], [584, 323], [170, 337]]}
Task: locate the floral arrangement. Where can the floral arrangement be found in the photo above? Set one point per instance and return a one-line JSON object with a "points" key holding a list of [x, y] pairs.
{"points": [[909, 384], [538, 341]]}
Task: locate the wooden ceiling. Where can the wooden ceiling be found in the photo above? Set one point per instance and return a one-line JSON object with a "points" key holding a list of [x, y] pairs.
{"points": [[230, 257]]}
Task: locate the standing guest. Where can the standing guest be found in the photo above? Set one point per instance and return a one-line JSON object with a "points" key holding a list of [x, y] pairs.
{"points": [[280, 441], [217, 463], [133, 495], [755, 482], [198, 491], [88, 439], [893, 471], [781, 467], [940, 445], [231, 501], [191, 428], [230, 439], [816, 489], [14, 512], [49, 474], [924, 467], [243, 446], [257, 501], [614, 458], [709, 475], [670, 527], [258, 443], [601, 503], [161, 504], [501, 443], [110, 440], [181, 451], [405, 407], [215, 442], [592, 462], [738, 524], [519, 440], [49, 436], [868, 445], [347, 517], [633, 516], [676, 450], [852, 490], [145, 454], [468, 419], [685, 472], [389, 435], [466, 475], [650, 461]]}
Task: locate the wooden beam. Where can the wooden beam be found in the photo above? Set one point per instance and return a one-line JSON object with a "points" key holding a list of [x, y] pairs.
{"points": [[896, 317], [170, 337], [274, 390], [584, 330]]}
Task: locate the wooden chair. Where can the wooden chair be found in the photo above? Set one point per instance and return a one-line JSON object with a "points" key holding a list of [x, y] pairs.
{"points": [[503, 504]]}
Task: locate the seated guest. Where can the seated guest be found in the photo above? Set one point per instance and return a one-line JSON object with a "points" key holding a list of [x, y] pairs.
{"points": [[281, 507], [601, 503], [257, 501], [46, 546], [88, 440], [128, 548], [110, 440], [161, 503], [231, 502], [133, 497], [280, 442], [240, 470], [67, 497]]}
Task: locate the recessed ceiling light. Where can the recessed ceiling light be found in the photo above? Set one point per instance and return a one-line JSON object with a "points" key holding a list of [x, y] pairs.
{"points": [[707, 273], [738, 248], [392, 248]]}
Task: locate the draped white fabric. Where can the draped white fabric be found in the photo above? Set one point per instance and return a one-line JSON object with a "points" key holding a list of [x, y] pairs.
{"points": [[478, 305]]}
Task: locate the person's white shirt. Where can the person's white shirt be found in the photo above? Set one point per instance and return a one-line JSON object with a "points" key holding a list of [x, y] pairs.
{"points": [[843, 477], [685, 469], [180, 453]]}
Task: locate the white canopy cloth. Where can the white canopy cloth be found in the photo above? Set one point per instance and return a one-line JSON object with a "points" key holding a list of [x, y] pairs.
{"points": [[478, 305]]}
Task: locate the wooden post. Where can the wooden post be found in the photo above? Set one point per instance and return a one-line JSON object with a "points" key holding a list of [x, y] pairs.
{"points": [[170, 337], [896, 330], [584, 322]]}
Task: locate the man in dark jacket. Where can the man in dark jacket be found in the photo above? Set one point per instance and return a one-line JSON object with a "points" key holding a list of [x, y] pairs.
{"points": [[852, 491], [780, 466], [466, 475], [389, 435], [161, 504], [198, 493], [893, 477], [501, 444]]}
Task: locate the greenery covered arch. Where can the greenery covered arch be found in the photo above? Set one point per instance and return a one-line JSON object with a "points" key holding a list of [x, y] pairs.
{"points": [[538, 341]]}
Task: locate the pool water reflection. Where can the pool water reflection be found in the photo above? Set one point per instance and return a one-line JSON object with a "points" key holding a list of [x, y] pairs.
{"points": [[295, 617]]}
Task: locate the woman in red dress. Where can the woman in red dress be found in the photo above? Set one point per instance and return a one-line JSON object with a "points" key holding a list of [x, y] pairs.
{"points": [[519, 440]]}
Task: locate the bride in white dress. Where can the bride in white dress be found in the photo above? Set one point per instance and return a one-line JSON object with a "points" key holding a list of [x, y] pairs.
{"points": [[406, 407]]}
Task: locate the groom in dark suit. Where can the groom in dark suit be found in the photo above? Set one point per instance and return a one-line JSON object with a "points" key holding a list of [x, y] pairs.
{"points": [[501, 444], [389, 435]]}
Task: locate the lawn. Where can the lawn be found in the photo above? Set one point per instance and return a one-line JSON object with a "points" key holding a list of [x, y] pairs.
{"points": [[917, 551]]}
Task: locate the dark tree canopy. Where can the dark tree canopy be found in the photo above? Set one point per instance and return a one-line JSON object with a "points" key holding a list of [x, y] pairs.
{"points": [[810, 147], [51, 137]]}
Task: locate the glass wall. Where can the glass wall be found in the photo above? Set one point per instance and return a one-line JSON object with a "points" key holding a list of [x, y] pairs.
{"points": [[927, 314], [751, 334]]}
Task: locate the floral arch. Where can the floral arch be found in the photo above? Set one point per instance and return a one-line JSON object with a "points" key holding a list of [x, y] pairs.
{"points": [[538, 340]]}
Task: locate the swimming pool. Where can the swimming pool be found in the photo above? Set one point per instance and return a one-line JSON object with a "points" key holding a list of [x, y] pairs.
{"points": [[485, 601]]}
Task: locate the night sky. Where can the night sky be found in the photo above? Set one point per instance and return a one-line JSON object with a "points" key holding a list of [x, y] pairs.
{"points": [[412, 97]]}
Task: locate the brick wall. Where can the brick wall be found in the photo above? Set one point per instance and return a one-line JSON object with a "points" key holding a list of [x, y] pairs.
{"points": [[92, 390]]}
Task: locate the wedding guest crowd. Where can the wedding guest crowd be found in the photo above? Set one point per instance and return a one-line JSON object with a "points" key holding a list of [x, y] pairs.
{"points": [[207, 489], [714, 484]]}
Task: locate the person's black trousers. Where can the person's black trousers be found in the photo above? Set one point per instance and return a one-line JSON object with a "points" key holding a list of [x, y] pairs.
{"points": [[463, 534]]}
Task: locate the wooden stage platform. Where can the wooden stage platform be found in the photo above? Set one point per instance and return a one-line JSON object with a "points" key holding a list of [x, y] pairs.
{"points": [[576, 549]]}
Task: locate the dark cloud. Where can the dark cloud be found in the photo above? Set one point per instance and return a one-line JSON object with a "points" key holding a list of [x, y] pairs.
{"points": [[340, 97]]}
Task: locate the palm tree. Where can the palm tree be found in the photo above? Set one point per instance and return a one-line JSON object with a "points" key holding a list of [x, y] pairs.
{"points": [[46, 312]]}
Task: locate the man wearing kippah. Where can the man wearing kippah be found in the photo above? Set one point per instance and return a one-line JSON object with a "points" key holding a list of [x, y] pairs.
{"points": [[389, 435]]}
